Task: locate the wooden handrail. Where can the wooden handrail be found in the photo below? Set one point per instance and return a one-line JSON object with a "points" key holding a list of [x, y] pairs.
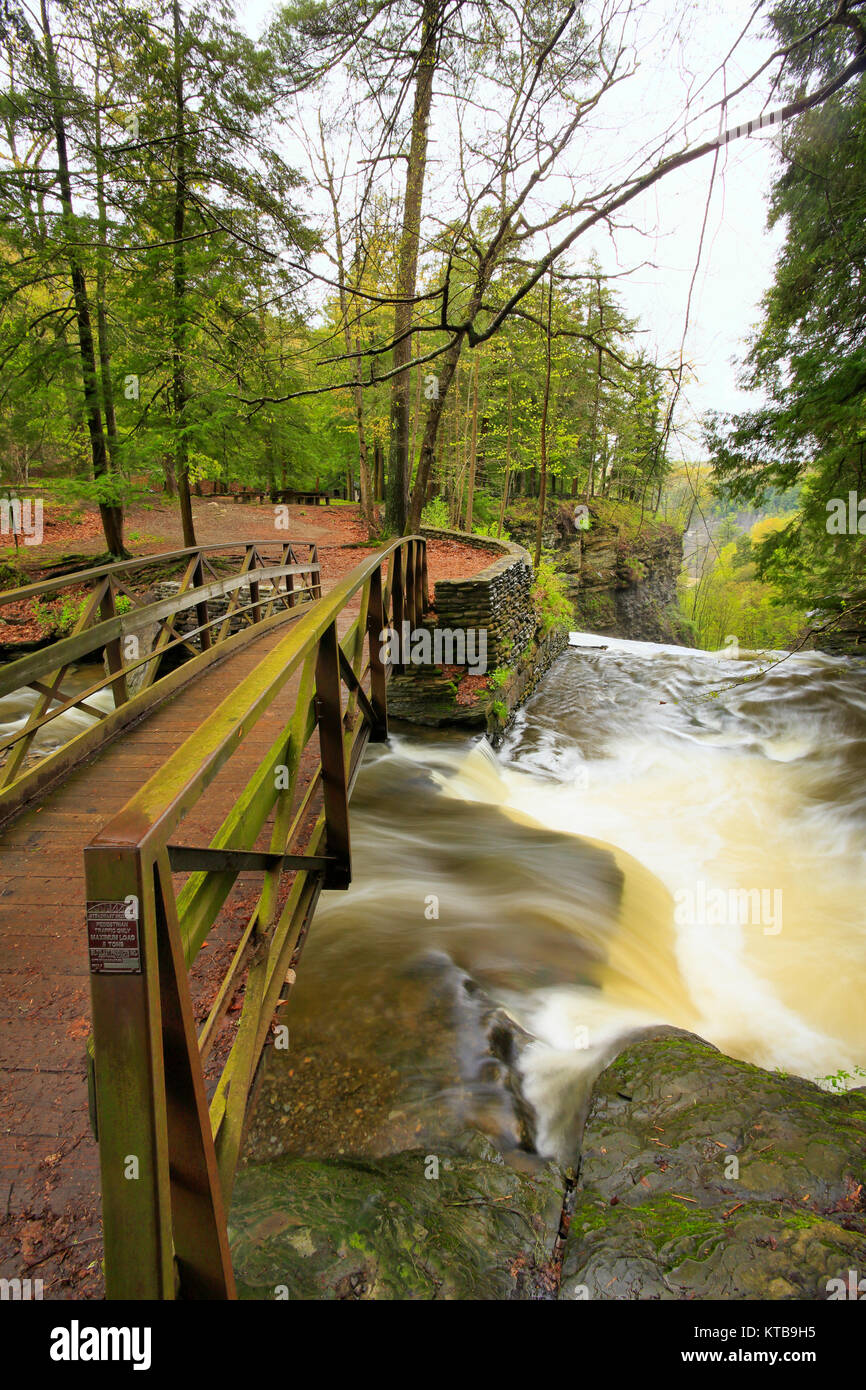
{"points": [[102, 629], [116, 567], [165, 1234]]}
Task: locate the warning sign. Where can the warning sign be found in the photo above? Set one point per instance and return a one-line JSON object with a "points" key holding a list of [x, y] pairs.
{"points": [[112, 939]]}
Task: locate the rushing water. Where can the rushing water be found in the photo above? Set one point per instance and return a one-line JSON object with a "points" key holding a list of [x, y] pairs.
{"points": [[17, 708], [573, 875]]}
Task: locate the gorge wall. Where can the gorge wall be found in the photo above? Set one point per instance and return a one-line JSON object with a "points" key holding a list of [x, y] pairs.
{"points": [[621, 570]]}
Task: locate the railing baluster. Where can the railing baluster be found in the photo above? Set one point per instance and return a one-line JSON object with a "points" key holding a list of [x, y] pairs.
{"points": [[398, 601], [201, 608], [254, 588], [113, 651]]}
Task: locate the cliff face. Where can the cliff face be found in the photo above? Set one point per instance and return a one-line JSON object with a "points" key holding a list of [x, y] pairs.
{"points": [[621, 570]]}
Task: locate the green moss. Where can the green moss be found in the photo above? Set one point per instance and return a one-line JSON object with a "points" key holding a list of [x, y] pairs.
{"points": [[379, 1226]]}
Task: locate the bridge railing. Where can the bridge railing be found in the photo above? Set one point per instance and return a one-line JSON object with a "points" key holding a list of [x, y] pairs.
{"points": [[260, 583], [168, 1157]]}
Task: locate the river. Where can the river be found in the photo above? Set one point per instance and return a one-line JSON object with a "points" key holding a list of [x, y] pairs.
{"points": [[660, 838], [17, 708]]}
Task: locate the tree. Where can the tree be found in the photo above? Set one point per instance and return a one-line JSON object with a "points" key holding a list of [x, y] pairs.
{"points": [[808, 356], [44, 98], [544, 72]]}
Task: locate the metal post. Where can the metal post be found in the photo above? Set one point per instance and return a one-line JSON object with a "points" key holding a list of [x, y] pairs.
{"points": [[336, 794], [254, 588], [113, 652], [378, 682], [198, 581], [130, 1082]]}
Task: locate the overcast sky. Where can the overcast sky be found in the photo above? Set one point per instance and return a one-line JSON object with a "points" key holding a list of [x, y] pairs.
{"points": [[676, 46]]}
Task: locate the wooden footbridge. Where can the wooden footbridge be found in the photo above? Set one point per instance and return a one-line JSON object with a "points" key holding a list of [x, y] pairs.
{"points": [[127, 856]]}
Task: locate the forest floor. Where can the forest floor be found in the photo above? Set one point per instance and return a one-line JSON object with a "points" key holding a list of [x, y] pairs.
{"points": [[155, 526]]}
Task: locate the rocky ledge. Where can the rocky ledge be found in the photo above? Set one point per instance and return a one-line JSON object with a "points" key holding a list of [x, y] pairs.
{"points": [[707, 1178], [698, 1177]]}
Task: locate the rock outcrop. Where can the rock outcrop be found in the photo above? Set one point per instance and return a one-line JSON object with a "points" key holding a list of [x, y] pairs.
{"points": [[703, 1177], [621, 567], [699, 1177]]}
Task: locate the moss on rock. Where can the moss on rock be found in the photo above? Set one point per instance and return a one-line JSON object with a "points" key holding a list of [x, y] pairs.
{"points": [[481, 1228], [707, 1177]]}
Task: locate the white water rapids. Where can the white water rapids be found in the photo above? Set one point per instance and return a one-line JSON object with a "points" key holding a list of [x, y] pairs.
{"points": [[638, 778]]}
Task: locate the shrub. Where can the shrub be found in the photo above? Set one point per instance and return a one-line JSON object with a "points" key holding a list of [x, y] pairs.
{"points": [[491, 528], [435, 514], [549, 597]]}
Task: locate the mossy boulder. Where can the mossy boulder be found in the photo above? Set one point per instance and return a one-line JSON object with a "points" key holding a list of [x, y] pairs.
{"points": [[704, 1177], [459, 1224]]}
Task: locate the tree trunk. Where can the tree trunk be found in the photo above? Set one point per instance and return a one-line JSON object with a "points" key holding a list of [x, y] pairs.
{"points": [[179, 391], [473, 448], [368, 510], [397, 497], [507, 481], [448, 364], [111, 513], [101, 317], [544, 409]]}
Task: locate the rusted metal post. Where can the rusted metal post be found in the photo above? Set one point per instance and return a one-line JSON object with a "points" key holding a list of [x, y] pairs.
{"points": [[198, 581], [113, 650], [199, 1229], [398, 600], [378, 678], [315, 576], [289, 579], [129, 1076], [415, 565], [164, 1227], [425, 582], [254, 587], [329, 711]]}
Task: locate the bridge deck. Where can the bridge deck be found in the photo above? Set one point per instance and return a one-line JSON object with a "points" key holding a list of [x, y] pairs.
{"points": [[49, 1179]]}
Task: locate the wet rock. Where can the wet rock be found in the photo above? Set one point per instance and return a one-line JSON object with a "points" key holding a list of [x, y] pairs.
{"points": [[458, 1224], [704, 1177], [441, 1195]]}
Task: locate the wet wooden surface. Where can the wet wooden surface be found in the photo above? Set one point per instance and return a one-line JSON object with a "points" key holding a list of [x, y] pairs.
{"points": [[49, 1165]]}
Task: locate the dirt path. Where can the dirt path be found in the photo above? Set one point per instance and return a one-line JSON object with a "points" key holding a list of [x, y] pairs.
{"points": [[154, 527]]}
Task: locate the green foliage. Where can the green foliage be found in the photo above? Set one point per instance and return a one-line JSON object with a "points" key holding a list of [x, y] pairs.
{"points": [[12, 574], [491, 528], [499, 677], [58, 616], [840, 1080], [808, 357], [549, 597], [435, 514], [731, 600]]}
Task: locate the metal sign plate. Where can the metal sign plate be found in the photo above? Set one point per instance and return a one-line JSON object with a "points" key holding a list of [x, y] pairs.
{"points": [[112, 939]]}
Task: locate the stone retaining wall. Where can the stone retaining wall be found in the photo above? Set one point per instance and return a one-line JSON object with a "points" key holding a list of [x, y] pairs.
{"points": [[498, 600]]}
